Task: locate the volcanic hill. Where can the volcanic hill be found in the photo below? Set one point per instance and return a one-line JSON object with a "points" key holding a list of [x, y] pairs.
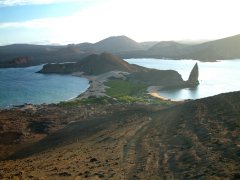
{"points": [[99, 64], [91, 65], [191, 140]]}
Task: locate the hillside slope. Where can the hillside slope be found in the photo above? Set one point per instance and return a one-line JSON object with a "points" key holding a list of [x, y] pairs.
{"points": [[38, 54], [122, 46], [196, 139], [168, 49], [221, 49], [226, 48], [91, 65], [117, 44]]}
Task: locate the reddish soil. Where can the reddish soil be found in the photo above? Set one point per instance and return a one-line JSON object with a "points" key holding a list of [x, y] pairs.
{"points": [[193, 140]]}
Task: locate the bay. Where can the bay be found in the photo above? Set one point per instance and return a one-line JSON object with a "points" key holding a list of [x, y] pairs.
{"points": [[23, 85], [214, 77]]}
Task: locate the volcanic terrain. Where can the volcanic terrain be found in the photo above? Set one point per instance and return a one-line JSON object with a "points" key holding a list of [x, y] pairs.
{"points": [[195, 139]]}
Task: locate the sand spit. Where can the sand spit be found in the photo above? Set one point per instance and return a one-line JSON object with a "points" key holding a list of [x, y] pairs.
{"points": [[97, 87]]}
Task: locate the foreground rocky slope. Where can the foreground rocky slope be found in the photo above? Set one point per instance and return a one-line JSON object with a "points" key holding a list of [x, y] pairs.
{"points": [[196, 139]]}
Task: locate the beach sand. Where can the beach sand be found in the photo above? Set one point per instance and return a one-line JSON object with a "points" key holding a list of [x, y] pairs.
{"points": [[153, 91]]}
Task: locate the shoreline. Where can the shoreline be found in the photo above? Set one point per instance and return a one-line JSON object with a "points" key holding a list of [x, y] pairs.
{"points": [[97, 88], [96, 83], [153, 91]]}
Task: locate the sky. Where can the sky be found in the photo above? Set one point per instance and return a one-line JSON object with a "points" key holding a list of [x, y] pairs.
{"points": [[76, 21]]}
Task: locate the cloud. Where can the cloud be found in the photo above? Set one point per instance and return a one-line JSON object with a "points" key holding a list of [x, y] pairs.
{"points": [[37, 2], [23, 2], [139, 19], [32, 24]]}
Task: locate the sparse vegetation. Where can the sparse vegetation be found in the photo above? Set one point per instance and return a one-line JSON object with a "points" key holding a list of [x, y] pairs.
{"points": [[119, 91], [90, 100], [131, 92], [118, 88]]}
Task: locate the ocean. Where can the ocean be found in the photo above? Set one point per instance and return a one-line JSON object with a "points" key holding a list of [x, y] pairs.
{"points": [[214, 77], [23, 85]]}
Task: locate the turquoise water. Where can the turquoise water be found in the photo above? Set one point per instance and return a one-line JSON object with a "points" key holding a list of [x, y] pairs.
{"points": [[214, 77], [22, 85]]}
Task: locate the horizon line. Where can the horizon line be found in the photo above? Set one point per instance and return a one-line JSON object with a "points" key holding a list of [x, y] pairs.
{"points": [[45, 43]]}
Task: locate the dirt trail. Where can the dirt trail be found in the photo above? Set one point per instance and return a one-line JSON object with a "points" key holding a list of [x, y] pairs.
{"points": [[193, 140], [187, 141], [142, 157]]}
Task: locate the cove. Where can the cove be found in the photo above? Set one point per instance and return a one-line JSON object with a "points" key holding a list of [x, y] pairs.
{"points": [[23, 85], [214, 77]]}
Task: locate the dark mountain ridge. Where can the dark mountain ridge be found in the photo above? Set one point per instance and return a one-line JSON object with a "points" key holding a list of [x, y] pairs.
{"points": [[117, 44], [38, 54], [122, 46], [168, 49], [226, 48]]}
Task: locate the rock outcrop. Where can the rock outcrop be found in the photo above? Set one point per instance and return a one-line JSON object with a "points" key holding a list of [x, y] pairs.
{"points": [[193, 77]]}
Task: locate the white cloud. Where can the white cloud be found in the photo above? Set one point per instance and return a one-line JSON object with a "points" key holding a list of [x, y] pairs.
{"points": [[37, 23], [23, 2], [37, 2], [143, 20]]}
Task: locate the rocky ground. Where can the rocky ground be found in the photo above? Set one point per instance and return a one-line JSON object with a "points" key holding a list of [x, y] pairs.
{"points": [[20, 127], [193, 140]]}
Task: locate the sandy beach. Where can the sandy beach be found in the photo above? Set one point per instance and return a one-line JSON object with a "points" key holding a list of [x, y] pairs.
{"points": [[153, 91], [98, 89]]}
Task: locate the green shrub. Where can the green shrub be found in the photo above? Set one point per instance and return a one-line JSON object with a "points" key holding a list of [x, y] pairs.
{"points": [[118, 88]]}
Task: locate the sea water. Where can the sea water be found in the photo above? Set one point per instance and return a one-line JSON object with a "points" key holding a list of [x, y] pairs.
{"points": [[23, 85], [214, 77]]}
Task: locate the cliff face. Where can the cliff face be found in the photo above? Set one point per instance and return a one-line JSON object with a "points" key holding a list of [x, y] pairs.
{"points": [[193, 77]]}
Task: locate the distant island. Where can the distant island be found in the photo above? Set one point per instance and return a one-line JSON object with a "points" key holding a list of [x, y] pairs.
{"points": [[106, 63], [22, 55]]}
